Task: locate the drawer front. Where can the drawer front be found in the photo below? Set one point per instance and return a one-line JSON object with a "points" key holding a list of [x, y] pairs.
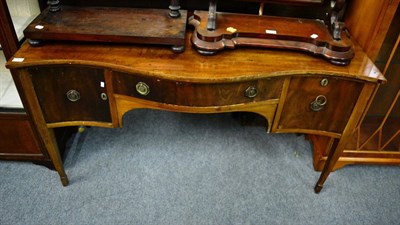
{"points": [[319, 103], [69, 93], [196, 94]]}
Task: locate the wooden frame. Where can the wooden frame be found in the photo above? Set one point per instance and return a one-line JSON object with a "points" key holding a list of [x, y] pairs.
{"points": [[376, 138], [21, 140]]}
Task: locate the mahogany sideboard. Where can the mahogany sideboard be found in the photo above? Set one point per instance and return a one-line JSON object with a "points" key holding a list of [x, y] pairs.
{"points": [[75, 84]]}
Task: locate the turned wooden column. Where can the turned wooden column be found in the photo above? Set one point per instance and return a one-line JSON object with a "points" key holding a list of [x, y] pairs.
{"points": [[332, 19], [54, 5], [212, 15], [174, 9]]}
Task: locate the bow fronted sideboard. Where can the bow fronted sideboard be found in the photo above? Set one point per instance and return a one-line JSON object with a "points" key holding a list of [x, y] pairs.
{"points": [[87, 84]]}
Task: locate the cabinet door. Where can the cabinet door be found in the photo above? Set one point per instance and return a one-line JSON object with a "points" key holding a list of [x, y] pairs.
{"points": [[17, 137], [71, 93], [319, 104]]}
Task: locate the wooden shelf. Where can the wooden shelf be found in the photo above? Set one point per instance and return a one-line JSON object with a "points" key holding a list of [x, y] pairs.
{"points": [[297, 34], [109, 24]]}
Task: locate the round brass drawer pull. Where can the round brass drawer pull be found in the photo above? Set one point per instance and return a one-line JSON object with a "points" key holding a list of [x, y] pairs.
{"points": [[73, 95], [318, 103], [142, 88], [251, 92]]}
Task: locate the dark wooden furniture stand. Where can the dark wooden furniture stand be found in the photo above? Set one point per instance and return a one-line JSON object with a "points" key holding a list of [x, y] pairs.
{"points": [[110, 24], [70, 84], [215, 31]]}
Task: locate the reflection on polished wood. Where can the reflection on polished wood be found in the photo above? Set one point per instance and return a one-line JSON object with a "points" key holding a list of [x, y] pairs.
{"points": [[154, 61]]}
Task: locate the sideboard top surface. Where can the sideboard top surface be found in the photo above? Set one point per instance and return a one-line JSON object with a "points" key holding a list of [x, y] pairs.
{"points": [[160, 61]]}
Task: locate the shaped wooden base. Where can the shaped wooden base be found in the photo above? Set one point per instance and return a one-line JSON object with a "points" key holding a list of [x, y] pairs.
{"points": [[269, 32], [108, 24]]}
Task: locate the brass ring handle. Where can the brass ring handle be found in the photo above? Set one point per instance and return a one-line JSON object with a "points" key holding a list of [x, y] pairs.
{"points": [[251, 92], [73, 95], [318, 103], [142, 88]]}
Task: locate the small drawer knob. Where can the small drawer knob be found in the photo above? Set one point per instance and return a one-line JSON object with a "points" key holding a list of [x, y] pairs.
{"points": [[73, 95], [103, 96], [251, 92], [324, 82], [142, 88], [318, 103]]}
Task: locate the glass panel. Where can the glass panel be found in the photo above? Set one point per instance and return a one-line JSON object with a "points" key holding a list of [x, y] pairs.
{"points": [[22, 13], [9, 97]]}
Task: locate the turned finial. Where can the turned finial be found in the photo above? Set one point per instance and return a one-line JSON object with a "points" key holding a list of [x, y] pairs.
{"points": [[54, 5], [174, 9]]}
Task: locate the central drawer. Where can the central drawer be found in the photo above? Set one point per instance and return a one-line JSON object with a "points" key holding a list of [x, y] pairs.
{"points": [[196, 94]]}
